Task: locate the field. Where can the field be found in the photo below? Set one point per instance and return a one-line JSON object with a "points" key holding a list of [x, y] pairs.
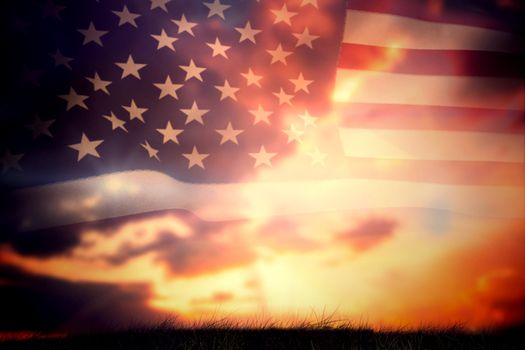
{"points": [[166, 336]]}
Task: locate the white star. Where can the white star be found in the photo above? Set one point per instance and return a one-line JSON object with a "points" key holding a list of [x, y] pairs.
{"points": [[305, 38], [61, 60], [152, 152], [247, 33], [10, 161], [194, 113], [218, 48], [192, 71], [308, 119], [170, 134], [283, 97], [130, 68], [312, 2], [168, 88], [184, 25], [294, 134], [262, 157], [216, 8], [92, 34], [159, 4], [115, 122], [229, 134], [126, 17], [227, 91], [164, 40], [283, 15], [279, 55], [317, 157], [73, 99], [135, 112], [195, 158], [252, 78], [86, 147], [40, 127], [301, 84], [99, 84], [261, 115]]}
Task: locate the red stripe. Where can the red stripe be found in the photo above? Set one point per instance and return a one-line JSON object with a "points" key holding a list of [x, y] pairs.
{"points": [[386, 116], [498, 18], [430, 62]]}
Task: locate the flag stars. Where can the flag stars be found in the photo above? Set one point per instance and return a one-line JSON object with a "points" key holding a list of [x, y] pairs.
{"points": [[168, 88], [194, 113], [195, 158], [301, 84], [308, 119], [260, 115], [252, 78], [52, 10], [130, 68], [159, 4], [164, 40], [152, 152], [184, 25], [216, 8], [86, 147], [10, 161], [91, 34], [229, 134], [116, 123], [192, 71], [170, 134], [283, 15], [40, 127], [262, 157], [294, 134], [311, 2], [305, 38], [218, 48], [317, 157], [283, 97], [61, 60], [279, 55], [135, 112], [247, 32], [99, 84], [227, 91], [126, 17], [73, 99]]}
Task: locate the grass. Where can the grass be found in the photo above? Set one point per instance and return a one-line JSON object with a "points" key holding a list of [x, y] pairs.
{"points": [[327, 334]]}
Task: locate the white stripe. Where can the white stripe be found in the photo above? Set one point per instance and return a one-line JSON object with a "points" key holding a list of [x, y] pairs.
{"points": [[454, 91], [433, 145], [378, 29], [135, 192]]}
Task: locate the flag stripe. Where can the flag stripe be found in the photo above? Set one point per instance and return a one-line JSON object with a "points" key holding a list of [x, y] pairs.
{"points": [[393, 88], [378, 29], [389, 116], [431, 62], [452, 172], [458, 12], [433, 145], [133, 192]]}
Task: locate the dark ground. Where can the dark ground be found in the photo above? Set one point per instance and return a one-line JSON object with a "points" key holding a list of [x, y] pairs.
{"points": [[274, 338]]}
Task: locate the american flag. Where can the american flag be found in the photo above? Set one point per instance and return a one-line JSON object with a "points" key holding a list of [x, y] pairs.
{"points": [[238, 109]]}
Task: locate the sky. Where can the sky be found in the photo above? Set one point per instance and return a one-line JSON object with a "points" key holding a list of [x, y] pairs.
{"points": [[410, 243]]}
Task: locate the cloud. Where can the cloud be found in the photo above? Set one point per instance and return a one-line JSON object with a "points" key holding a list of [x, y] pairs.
{"points": [[369, 233], [215, 298], [38, 303]]}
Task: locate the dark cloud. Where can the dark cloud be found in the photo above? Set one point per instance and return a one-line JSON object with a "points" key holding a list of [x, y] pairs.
{"points": [[369, 233], [31, 302]]}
